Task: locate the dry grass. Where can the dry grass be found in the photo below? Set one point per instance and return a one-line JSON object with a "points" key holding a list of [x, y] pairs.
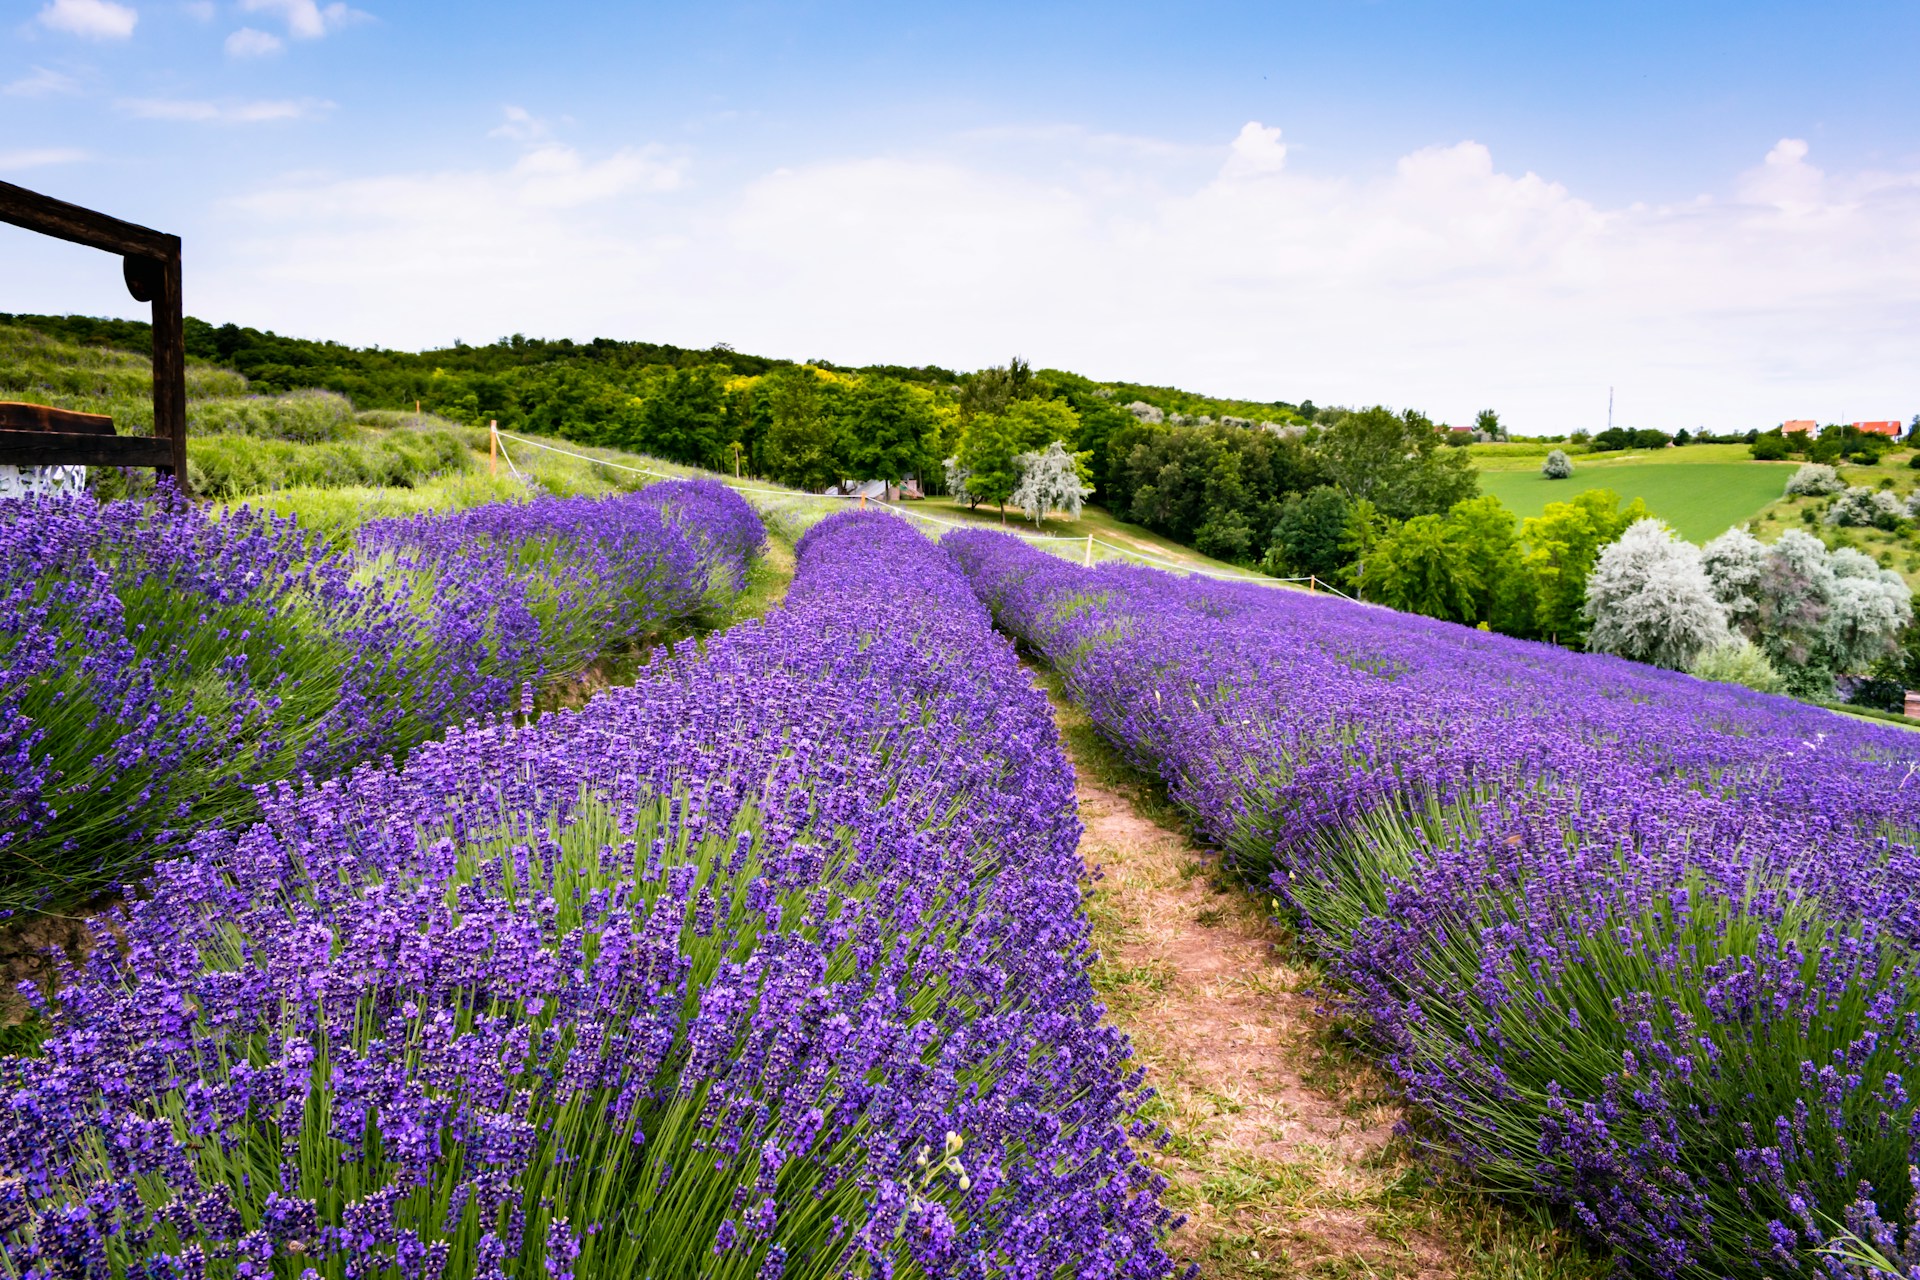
{"points": [[1283, 1152]]}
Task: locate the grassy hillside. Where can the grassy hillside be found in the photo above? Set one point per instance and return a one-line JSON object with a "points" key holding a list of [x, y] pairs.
{"points": [[1702, 490], [1700, 497]]}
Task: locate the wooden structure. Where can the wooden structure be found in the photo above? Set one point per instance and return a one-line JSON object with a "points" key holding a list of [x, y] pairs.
{"points": [[37, 436]]}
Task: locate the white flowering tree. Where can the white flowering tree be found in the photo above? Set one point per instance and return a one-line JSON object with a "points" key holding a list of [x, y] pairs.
{"points": [[957, 477], [1859, 508], [1870, 606], [1734, 562], [1649, 599], [1051, 479], [1813, 612], [1815, 480]]}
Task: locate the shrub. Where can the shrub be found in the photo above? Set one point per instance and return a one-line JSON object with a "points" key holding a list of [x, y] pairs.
{"points": [[1557, 466], [1737, 661], [1815, 480], [1861, 507], [224, 468], [304, 417], [155, 664]]}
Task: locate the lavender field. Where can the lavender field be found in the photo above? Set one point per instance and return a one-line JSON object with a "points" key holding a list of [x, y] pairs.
{"points": [[1632, 941], [157, 663], [772, 965], [778, 962]]}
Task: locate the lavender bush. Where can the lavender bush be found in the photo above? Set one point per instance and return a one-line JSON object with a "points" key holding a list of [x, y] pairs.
{"points": [[1633, 940], [771, 966], [515, 593], [156, 663]]}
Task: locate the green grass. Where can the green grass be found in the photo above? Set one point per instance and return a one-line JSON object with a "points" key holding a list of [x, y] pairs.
{"points": [[1121, 538], [1700, 499], [1897, 549]]}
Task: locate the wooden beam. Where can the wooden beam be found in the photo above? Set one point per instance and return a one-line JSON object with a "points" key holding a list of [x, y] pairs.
{"points": [[59, 449], [170, 369], [17, 416], [35, 212]]}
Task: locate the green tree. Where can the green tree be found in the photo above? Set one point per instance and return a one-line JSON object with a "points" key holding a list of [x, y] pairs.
{"points": [[990, 391], [1310, 535], [1226, 480], [887, 429], [990, 450], [1487, 423], [802, 442], [1489, 542], [1421, 566], [1397, 462], [1562, 544], [1366, 529], [684, 416]]}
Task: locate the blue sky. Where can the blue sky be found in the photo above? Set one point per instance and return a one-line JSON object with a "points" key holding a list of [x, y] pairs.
{"points": [[1713, 207]]}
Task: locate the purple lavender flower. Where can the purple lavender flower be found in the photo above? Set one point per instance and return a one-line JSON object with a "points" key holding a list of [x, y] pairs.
{"points": [[1637, 942], [699, 966]]}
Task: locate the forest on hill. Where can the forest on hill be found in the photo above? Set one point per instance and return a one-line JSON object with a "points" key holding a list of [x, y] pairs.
{"points": [[1373, 501], [812, 423]]}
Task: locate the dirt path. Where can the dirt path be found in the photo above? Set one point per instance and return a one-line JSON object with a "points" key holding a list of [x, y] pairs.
{"points": [[1283, 1154]]}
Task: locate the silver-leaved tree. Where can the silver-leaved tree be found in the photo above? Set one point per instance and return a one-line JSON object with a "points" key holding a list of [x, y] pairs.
{"points": [[1051, 480]]}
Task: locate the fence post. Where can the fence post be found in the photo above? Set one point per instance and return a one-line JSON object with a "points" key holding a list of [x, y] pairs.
{"points": [[1089, 551], [493, 447], [1313, 584]]}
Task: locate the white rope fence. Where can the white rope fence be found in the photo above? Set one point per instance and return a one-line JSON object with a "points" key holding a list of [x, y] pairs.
{"points": [[496, 436]]}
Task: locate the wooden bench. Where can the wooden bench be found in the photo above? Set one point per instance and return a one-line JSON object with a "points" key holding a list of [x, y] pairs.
{"points": [[41, 435]]}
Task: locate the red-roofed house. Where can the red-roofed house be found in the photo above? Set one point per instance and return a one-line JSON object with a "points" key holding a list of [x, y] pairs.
{"points": [[1889, 429], [1806, 426]]}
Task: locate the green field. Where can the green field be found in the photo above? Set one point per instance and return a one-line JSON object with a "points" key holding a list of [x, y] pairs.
{"points": [[1699, 499]]}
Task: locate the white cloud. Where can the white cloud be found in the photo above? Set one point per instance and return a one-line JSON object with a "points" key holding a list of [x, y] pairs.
{"points": [[40, 83], [519, 125], [203, 112], [307, 19], [94, 19], [248, 42], [35, 159], [1256, 153], [1442, 282]]}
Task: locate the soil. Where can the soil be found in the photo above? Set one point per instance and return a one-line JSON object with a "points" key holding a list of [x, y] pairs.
{"points": [[1283, 1155]]}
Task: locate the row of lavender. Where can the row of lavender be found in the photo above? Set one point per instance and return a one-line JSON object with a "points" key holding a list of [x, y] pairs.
{"points": [[1630, 939], [773, 965], [157, 662]]}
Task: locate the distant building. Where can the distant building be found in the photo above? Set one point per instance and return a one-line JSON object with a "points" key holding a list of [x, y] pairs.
{"points": [[1804, 426], [876, 490], [1890, 429]]}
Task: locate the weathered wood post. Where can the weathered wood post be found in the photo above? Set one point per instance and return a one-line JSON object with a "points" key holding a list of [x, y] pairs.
{"points": [[151, 269]]}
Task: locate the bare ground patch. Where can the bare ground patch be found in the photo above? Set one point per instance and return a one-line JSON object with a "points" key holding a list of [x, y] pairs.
{"points": [[1283, 1154]]}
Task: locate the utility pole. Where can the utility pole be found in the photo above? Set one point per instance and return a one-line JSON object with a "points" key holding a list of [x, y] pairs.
{"points": [[1609, 408]]}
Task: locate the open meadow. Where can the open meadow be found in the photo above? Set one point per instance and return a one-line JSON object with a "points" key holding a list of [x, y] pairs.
{"points": [[1701, 498]]}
